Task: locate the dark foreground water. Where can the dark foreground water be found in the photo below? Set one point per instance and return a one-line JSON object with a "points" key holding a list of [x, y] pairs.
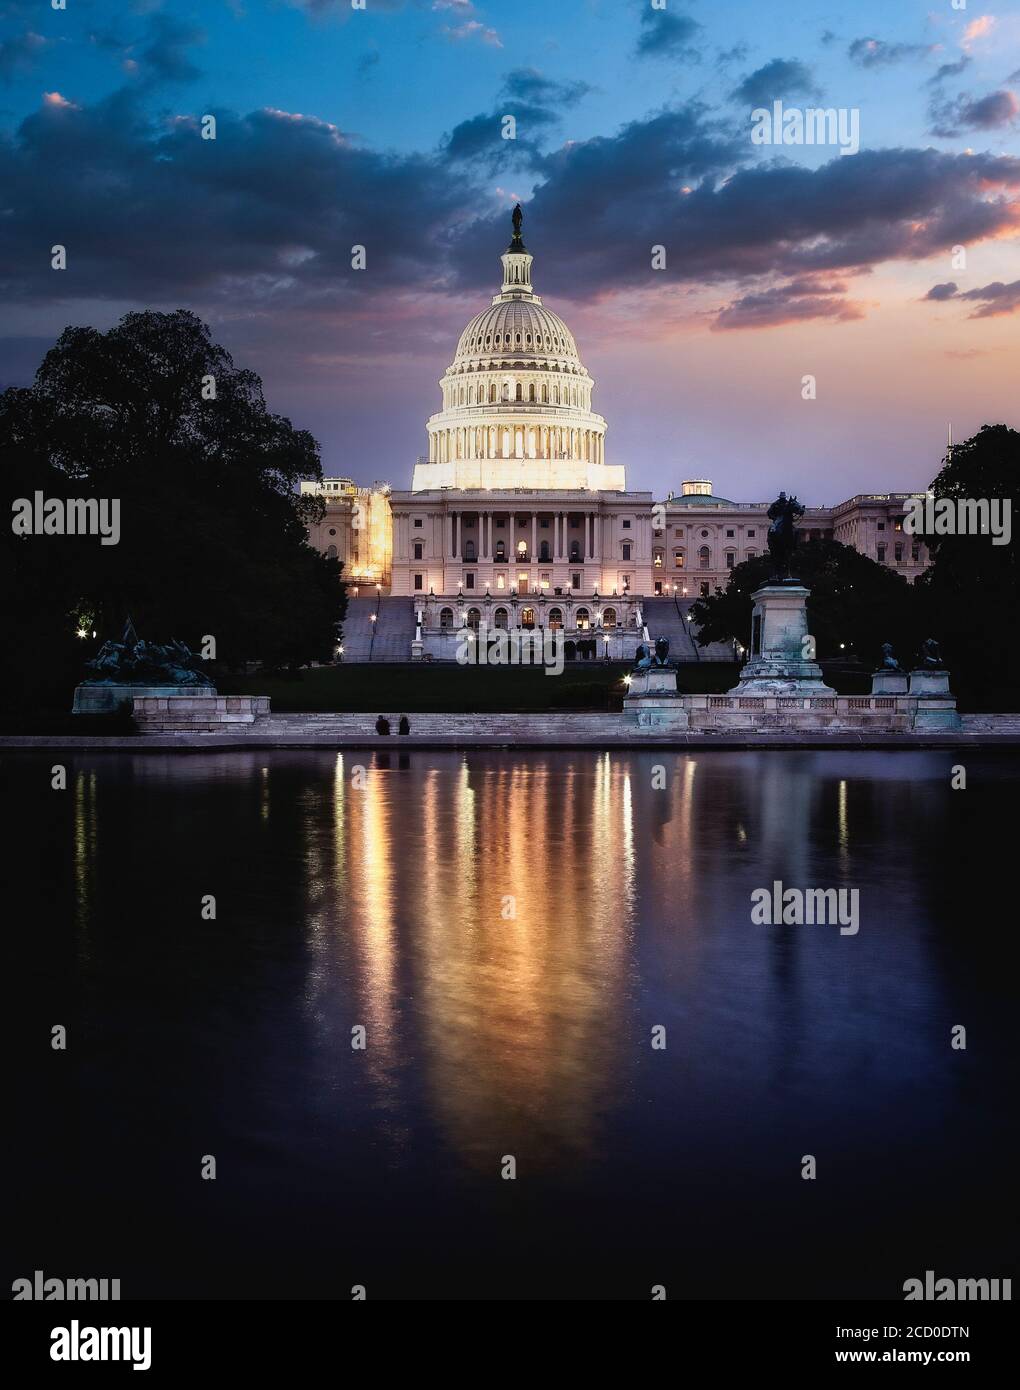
{"points": [[387, 905]]}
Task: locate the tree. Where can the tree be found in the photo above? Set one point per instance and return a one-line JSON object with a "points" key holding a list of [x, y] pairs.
{"points": [[970, 590], [855, 604], [213, 535]]}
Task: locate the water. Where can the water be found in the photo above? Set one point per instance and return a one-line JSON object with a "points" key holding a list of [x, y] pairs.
{"points": [[493, 1034]]}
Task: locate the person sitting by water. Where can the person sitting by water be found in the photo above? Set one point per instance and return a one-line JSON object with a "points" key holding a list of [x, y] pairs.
{"points": [[404, 727], [382, 725]]}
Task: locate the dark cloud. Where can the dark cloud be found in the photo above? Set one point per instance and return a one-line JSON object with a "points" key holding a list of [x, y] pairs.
{"points": [[667, 35], [163, 56], [791, 303], [531, 86], [994, 299], [877, 53], [20, 54], [948, 70], [780, 78], [992, 112], [262, 219]]}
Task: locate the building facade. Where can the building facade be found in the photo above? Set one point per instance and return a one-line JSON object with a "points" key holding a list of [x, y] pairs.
{"points": [[514, 519]]}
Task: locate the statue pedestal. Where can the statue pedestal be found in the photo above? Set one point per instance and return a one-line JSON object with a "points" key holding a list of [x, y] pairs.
{"points": [[652, 697], [886, 682], [777, 665], [108, 699], [936, 703]]}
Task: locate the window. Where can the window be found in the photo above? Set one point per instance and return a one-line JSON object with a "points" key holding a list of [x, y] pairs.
{"points": [[898, 524], [880, 551], [750, 534], [501, 550], [555, 618], [626, 552], [419, 550], [915, 553], [583, 620], [899, 554], [446, 617], [469, 551], [469, 581], [729, 535], [704, 588], [474, 617], [419, 582], [751, 554], [575, 579], [543, 552], [500, 618], [679, 530], [531, 392], [729, 559], [658, 586], [678, 559], [332, 531], [626, 523], [704, 535], [705, 557], [417, 522], [657, 559], [527, 617], [627, 580], [575, 550], [609, 617], [881, 525]]}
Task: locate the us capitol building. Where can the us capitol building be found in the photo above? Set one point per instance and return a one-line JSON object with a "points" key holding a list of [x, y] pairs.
{"points": [[516, 520]]}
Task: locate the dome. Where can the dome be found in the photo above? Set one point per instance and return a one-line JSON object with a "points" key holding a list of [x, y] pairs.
{"points": [[516, 330]]}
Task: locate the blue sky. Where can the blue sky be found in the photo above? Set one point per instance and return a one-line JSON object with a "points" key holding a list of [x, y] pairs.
{"points": [[381, 126]]}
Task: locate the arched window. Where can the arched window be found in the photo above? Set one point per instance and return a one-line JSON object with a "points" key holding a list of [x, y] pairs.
{"points": [[609, 617], [474, 617], [583, 620], [469, 551], [545, 393], [705, 557], [531, 392], [500, 617], [446, 617], [519, 393], [751, 554], [506, 390], [501, 550], [492, 393], [331, 552], [522, 550], [527, 617], [555, 617]]}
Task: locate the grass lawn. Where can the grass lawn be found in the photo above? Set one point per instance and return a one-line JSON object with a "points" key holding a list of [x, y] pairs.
{"points": [[435, 689]]}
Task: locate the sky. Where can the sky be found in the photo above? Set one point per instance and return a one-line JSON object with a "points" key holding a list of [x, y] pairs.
{"points": [[889, 275]]}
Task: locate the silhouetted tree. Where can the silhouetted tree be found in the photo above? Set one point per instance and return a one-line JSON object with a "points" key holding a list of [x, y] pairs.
{"points": [[213, 540]]}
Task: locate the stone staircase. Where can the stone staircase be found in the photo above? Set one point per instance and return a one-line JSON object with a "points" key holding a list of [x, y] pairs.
{"points": [[663, 619], [387, 639]]}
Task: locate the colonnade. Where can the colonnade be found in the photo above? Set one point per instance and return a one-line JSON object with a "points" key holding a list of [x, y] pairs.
{"points": [[516, 441]]}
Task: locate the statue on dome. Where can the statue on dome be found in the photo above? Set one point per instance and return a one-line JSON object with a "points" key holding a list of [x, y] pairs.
{"points": [[517, 218]]}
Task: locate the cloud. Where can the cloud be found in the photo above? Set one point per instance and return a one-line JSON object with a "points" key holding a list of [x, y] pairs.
{"points": [[163, 57], [535, 101], [978, 28], [667, 35], [780, 78], [791, 303], [530, 85], [948, 70], [992, 112], [20, 54], [472, 29], [877, 53], [995, 299]]}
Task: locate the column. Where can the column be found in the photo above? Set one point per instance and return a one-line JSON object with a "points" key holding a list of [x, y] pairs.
{"points": [[534, 537]]}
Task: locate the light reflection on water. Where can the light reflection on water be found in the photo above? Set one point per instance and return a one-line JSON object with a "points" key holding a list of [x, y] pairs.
{"points": [[509, 929]]}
